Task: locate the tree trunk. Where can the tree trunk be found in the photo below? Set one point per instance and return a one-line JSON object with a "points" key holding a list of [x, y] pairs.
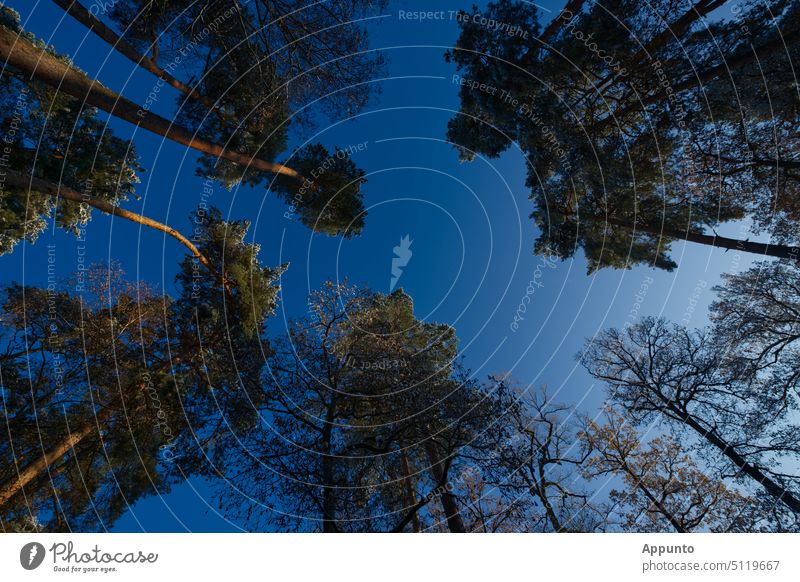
{"points": [[681, 25], [672, 31], [328, 499], [20, 180], [572, 6], [82, 15], [40, 65], [778, 251], [410, 494], [757, 53], [637, 481], [541, 489], [454, 522], [663, 511], [328, 491], [697, 80], [771, 487], [37, 467]]}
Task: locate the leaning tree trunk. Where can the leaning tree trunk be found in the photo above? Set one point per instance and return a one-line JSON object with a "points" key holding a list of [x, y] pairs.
{"points": [[701, 77], [637, 483], [40, 465], [672, 31], [454, 522], [85, 17], [678, 526], [747, 58], [774, 489], [766, 249], [20, 180], [40, 65], [779, 251], [677, 28], [572, 6]]}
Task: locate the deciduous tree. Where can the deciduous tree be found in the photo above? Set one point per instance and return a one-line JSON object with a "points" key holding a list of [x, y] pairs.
{"points": [[664, 489], [657, 370]]}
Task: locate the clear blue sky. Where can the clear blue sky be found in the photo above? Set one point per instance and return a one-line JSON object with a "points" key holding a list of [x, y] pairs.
{"points": [[472, 238]]}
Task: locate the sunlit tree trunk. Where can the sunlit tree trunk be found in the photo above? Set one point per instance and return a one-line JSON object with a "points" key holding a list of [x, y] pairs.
{"points": [[40, 65], [85, 17], [40, 465], [14, 178]]}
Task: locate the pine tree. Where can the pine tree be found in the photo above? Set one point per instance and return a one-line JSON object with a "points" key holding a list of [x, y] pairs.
{"points": [[614, 107]]}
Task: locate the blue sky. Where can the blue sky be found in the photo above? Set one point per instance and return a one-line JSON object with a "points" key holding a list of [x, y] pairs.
{"points": [[472, 238]]}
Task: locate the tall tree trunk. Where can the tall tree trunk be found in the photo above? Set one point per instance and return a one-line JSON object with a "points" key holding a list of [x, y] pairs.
{"points": [[82, 15], [771, 250], [40, 465], [328, 484], [573, 7], [454, 522], [20, 180], [410, 494], [701, 77], [677, 28], [771, 487], [779, 251], [672, 31], [328, 497], [40, 65], [741, 60]]}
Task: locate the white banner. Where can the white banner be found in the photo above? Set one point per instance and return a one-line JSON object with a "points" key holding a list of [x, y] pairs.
{"points": [[352, 558]]}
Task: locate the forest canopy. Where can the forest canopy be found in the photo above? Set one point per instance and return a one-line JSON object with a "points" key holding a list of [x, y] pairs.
{"points": [[305, 394]]}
